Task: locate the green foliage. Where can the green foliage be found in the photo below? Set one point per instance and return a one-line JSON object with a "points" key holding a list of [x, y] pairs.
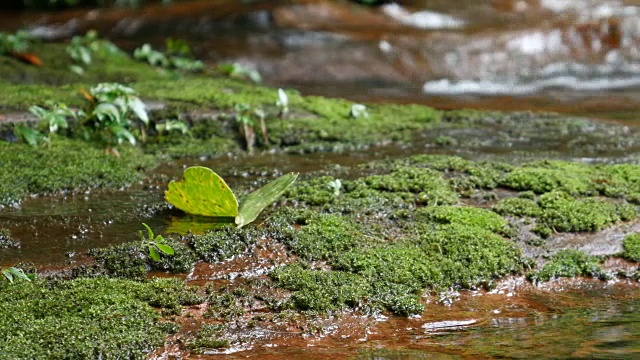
{"points": [[110, 117], [568, 263], [240, 71], [83, 49], [20, 42], [12, 273], [282, 104], [178, 56], [203, 192], [359, 111], [155, 245], [631, 245], [100, 318], [30, 136]]}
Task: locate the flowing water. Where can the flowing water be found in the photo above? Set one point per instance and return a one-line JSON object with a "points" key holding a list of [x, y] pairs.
{"points": [[577, 57]]}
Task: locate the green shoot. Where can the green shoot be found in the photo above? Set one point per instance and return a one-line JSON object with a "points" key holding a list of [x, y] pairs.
{"points": [[155, 245]]}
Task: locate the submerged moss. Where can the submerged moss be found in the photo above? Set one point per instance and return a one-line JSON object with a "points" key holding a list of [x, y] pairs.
{"points": [[631, 245], [6, 241], [85, 318], [568, 263], [223, 243], [131, 260]]}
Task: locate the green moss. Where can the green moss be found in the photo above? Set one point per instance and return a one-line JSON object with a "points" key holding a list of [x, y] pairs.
{"points": [[185, 147], [223, 243], [620, 180], [545, 176], [66, 165], [319, 290], [469, 216], [564, 213], [131, 260], [324, 236], [518, 207], [568, 263], [315, 191], [210, 336], [101, 318], [631, 245], [463, 175], [429, 184], [6, 241]]}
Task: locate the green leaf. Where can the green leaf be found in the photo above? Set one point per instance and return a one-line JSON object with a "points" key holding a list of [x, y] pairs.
{"points": [[153, 253], [137, 106], [255, 202], [8, 275], [202, 192], [165, 248], [149, 231]]}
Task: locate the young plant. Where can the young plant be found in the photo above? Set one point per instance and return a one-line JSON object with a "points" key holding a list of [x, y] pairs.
{"points": [[111, 115], [336, 186], [359, 111], [239, 71], [282, 103], [17, 46], [83, 48], [172, 125], [13, 272], [178, 56], [54, 116], [156, 245], [29, 135], [203, 192]]}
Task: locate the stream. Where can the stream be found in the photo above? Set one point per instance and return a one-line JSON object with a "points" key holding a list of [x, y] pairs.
{"points": [[578, 57]]}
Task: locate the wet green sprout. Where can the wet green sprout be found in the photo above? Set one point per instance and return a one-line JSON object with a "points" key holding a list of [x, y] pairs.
{"points": [[83, 48], [336, 186], [156, 245], [14, 273], [282, 103], [359, 111]]}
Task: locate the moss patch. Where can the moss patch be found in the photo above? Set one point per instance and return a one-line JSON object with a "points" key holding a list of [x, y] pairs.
{"points": [[85, 318], [631, 245], [568, 263], [66, 165]]}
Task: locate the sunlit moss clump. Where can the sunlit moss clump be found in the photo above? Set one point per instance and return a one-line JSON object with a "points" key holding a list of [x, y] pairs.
{"points": [[568, 263], [567, 214], [96, 318], [631, 245]]}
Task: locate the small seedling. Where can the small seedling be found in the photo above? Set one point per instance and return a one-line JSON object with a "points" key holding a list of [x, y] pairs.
{"points": [[359, 111], [336, 186], [155, 245], [203, 192], [282, 103], [178, 56], [239, 71], [54, 116], [83, 48], [172, 125], [13, 272]]}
